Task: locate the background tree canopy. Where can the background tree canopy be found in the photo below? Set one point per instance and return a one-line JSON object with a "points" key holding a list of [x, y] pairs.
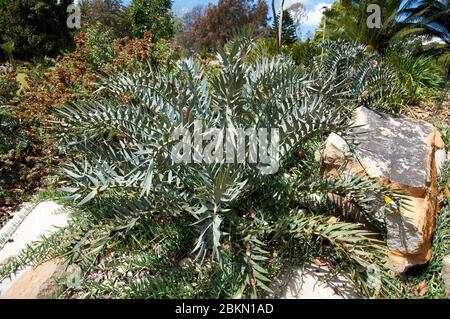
{"points": [[217, 24], [400, 21], [110, 13], [289, 29], [35, 27], [152, 15]]}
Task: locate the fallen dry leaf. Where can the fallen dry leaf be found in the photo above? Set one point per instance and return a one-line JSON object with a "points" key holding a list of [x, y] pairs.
{"points": [[422, 288], [253, 281], [446, 191], [332, 220], [320, 262]]}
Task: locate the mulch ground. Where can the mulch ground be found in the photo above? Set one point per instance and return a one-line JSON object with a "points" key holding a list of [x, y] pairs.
{"points": [[431, 112]]}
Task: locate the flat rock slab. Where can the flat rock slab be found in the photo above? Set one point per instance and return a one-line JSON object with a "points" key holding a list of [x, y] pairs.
{"points": [[403, 154], [313, 282], [37, 282], [43, 220], [395, 148]]}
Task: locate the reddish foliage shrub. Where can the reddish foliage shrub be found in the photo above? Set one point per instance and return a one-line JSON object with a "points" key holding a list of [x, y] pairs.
{"points": [[73, 78]]}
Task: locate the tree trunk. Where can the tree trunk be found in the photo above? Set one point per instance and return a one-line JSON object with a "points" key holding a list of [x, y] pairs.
{"points": [[280, 27], [12, 61], [275, 23]]}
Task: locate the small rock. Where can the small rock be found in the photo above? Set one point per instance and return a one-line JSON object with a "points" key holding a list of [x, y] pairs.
{"points": [[97, 277], [439, 157], [446, 274], [39, 282], [317, 156], [438, 141], [313, 282], [119, 284], [315, 202], [400, 153], [185, 262]]}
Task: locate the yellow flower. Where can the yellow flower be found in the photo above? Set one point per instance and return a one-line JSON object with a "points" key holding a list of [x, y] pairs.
{"points": [[387, 199]]}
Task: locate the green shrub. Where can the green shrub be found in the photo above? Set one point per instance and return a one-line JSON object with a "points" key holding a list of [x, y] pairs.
{"points": [[28, 152], [11, 141], [100, 42], [8, 87], [419, 76], [303, 52], [35, 27], [152, 15], [263, 48]]}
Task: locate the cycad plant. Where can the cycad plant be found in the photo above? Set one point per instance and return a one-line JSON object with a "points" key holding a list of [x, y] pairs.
{"points": [[132, 142], [353, 73]]}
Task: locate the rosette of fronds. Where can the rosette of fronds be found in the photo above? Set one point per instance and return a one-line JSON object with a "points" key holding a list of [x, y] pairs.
{"points": [[139, 140], [362, 76]]}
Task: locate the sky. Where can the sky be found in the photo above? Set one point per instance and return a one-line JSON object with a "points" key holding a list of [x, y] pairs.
{"points": [[313, 6]]}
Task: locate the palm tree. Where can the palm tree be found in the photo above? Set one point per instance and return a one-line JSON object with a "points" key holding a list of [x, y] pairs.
{"points": [[433, 17], [347, 19]]}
